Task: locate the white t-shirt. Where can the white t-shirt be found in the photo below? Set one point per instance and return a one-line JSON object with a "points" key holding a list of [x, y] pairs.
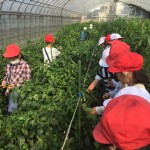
{"points": [[54, 53], [137, 90]]}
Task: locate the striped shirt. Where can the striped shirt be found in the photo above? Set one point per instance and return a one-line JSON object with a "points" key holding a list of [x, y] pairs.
{"points": [[106, 76]]}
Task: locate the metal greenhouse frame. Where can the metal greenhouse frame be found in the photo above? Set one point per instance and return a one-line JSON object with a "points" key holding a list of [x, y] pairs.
{"points": [[21, 20]]}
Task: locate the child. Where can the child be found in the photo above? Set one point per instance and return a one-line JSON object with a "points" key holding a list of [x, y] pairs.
{"points": [[117, 47], [17, 71], [125, 122], [103, 74], [101, 42], [110, 81], [49, 52]]}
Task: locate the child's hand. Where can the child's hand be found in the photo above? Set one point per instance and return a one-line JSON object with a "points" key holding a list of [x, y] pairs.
{"points": [[88, 91], [4, 85], [112, 147], [93, 111], [10, 86], [106, 96], [97, 110]]}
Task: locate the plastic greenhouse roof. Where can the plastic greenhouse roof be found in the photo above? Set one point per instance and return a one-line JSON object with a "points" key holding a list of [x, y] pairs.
{"points": [[55, 7], [145, 4]]}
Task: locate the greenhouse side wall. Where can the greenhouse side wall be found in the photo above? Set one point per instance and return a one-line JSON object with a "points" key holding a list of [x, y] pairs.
{"points": [[110, 11], [20, 27]]}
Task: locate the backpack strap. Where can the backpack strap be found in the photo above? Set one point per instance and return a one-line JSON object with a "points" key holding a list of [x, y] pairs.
{"points": [[9, 76], [47, 55]]}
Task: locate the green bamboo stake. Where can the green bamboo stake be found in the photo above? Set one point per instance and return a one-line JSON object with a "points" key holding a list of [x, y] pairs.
{"points": [[79, 107]]}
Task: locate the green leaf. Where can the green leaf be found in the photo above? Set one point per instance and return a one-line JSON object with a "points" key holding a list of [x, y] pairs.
{"points": [[36, 97], [148, 41]]}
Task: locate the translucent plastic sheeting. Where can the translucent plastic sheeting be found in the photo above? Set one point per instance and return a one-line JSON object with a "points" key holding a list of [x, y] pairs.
{"points": [[49, 6], [21, 20], [37, 6], [145, 4], [41, 6]]}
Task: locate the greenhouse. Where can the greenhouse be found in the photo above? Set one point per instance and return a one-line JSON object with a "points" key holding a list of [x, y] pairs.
{"points": [[75, 74], [27, 19]]}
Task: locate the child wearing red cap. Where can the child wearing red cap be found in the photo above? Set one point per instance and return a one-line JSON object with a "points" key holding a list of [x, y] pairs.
{"points": [[103, 74], [113, 36], [17, 71], [49, 52], [125, 122], [117, 47]]}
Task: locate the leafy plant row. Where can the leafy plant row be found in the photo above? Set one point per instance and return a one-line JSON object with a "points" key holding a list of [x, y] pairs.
{"points": [[47, 102]]}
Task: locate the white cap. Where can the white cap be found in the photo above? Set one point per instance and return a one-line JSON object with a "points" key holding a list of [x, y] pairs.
{"points": [[84, 28], [101, 40], [115, 36], [102, 61], [91, 25]]}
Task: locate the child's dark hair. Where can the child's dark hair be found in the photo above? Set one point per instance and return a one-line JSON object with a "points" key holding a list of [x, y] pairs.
{"points": [[140, 77], [22, 57]]}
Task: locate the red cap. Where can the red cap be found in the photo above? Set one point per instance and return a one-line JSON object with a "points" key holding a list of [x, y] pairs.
{"points": [[12, 50], [108, 39], [125, 123], [117, 47], [49, 38], [127, 62]]}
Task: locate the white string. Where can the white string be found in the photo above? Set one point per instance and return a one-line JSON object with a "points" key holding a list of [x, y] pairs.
{"points": [[89, 65], [69, 127]]}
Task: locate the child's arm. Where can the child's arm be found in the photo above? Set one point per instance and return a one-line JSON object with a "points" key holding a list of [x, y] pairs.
{"points": [[97, 110], [116, 90], [92, 85], [56, 52], [4, 82]]}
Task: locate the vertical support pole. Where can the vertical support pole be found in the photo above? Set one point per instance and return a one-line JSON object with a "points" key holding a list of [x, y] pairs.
{"points": [[24, 29], [30, 26], [79, 107]]}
